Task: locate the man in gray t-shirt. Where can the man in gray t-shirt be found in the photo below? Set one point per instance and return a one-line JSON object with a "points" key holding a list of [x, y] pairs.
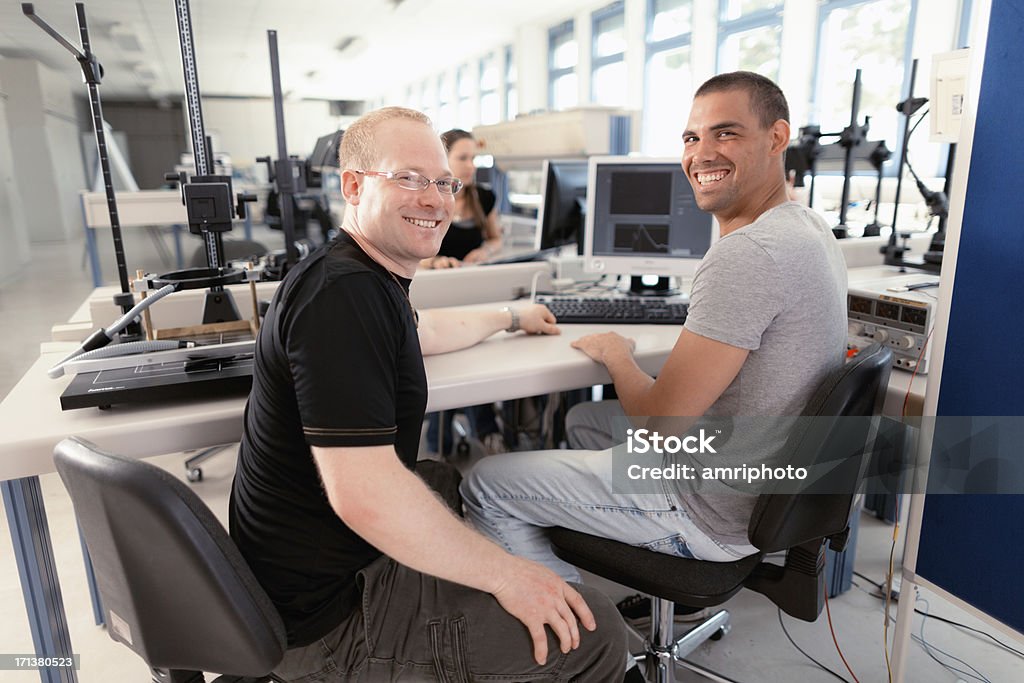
{"points": [[766, 325]]}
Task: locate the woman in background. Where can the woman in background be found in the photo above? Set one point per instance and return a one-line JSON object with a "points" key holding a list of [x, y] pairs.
{"points": [[474, 235]]}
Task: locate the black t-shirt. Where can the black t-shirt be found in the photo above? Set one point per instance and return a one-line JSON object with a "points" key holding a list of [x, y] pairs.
{"points": [[465, 236], [338, 363]]}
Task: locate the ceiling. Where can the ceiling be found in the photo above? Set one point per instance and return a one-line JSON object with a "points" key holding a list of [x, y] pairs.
{"points": [[397, 41]]}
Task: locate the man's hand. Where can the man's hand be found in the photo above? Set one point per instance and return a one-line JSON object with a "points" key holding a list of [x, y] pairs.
{"points": [[537, 319], [605, 345], [536, 596], [438, 262], [478, 255]]}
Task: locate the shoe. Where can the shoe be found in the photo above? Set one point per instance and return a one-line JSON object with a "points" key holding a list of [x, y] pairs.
{"points": [[494, 443], [637, 607]]}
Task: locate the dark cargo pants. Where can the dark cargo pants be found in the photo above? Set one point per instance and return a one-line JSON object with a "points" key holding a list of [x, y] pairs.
{"points": [[414, 627]]}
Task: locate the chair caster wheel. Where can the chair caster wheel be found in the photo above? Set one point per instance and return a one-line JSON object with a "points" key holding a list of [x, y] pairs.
{"points": [[462, 448], [195, 474], [719, 634]]}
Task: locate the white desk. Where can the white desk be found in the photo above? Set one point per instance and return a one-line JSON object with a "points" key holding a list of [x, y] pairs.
{"points": [[503, 367]]}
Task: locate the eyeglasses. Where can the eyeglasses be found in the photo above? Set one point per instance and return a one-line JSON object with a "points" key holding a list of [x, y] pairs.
{"points": [[411, 180]]}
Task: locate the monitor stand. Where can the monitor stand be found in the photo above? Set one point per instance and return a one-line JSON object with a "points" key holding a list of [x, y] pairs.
{"points": [[663, 286]]}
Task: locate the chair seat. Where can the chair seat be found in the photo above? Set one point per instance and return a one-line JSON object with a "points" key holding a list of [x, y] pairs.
{"points": [[694, 583]]}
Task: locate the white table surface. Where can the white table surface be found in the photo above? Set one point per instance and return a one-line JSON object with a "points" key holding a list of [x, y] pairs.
{"points": [[502, 367]]}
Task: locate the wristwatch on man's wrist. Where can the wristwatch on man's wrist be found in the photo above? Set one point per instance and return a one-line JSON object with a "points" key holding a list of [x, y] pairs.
{"points": [[514, 325]]}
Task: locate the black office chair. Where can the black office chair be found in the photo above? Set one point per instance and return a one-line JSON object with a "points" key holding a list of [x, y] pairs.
{"points": [[174, 587], [799, 524]]}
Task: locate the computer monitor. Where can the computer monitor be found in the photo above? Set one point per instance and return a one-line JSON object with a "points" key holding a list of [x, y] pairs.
{"points": [[563, 204], [642, 219], [324, 158]]}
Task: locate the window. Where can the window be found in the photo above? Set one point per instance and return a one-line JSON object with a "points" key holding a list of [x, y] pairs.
{"points": [[608, 74], [428, 99], [490, 111], [446, 103], [465, 114], [511, 94], [750, 36], [563, 54], [874, 37], [668, 79]]}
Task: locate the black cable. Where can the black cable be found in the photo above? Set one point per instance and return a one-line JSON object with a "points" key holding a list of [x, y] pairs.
{"points": [[801, 651], [928, 648], [868, 579], [951, 622], [917, 123], [971, 628]]}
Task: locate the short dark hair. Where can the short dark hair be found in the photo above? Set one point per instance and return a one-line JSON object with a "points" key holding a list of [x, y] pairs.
{"points": [[450, 137], [766, 99]]}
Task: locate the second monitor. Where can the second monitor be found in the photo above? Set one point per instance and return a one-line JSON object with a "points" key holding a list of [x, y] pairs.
{"points": [[642, 219], [563, 204]]}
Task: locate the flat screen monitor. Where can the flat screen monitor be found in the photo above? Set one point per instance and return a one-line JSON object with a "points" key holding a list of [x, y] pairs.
{"points": [[563, 204], [324, 158], [642, 219]]}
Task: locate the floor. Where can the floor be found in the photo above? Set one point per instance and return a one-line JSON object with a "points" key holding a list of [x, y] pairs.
{"points": [[755, 650]]}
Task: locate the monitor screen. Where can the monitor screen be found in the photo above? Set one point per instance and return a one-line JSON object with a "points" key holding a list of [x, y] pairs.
{"points": [[325, 151], [642, 219], [563, 204]]}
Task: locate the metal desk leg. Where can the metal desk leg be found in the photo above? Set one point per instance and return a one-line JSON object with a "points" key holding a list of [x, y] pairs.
{"points": [[26, 515], [94, 257], [176, 231], [90, 578], [90, 245]]}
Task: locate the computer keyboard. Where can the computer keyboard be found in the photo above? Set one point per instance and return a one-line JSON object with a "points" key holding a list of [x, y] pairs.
{"points": [[618, 311]]}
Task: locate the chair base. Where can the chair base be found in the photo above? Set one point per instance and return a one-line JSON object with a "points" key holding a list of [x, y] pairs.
{"points": [[194, 472], [663, 652]]}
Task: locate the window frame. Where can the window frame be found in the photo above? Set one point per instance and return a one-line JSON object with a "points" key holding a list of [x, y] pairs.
{"points": [[607, 12], [763, 18], [825, 8], [651, 49], [511, 85], [567, 27]]}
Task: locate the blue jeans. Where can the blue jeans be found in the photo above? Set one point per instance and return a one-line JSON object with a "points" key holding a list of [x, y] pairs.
{"points": [[513, 498]]}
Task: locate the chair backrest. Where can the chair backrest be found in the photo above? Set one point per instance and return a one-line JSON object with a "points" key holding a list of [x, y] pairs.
{"points": [[784, 520], [174, 587]]}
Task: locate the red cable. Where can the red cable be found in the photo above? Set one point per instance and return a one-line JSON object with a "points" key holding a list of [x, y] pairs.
{"points": [[924, 346], [835, 640]]}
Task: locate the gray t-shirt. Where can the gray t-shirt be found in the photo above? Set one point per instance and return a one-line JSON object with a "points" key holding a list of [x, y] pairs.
{"points": [[776, 287]]}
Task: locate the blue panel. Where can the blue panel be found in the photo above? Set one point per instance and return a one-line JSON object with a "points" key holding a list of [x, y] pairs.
{"points": [[970, 545]]}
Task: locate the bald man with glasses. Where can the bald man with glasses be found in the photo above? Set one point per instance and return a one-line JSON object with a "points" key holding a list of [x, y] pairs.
{"points": [[374, 577]]}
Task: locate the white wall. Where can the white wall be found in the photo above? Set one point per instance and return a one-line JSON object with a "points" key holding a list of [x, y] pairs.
{"points": [[43, 132], [13, 232], [246, 129]]}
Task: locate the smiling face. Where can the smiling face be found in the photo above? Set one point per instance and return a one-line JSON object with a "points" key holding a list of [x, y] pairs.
{"points": [[460, 158], [733, 163], [400, 226]]}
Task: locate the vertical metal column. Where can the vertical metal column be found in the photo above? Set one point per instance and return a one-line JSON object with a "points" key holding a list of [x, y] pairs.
{"points": [[33, 553]]}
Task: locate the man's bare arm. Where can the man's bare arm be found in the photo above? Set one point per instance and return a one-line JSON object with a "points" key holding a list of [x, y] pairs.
{"points": [[696, 373], [449, 329]]}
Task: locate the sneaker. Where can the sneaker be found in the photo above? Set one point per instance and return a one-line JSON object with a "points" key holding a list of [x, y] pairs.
{"points": [[637, 607], [494, 443]]}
